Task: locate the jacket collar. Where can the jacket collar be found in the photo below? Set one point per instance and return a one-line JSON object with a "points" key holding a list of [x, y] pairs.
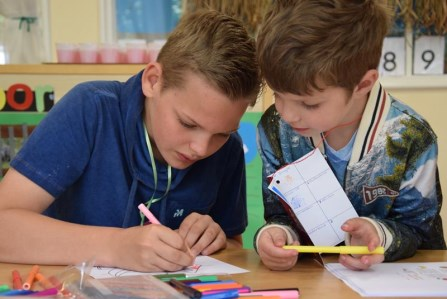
{"points": [[373, 117]]}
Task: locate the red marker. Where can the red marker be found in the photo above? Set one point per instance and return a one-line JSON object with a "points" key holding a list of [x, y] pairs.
{"points": [[16, 280]]}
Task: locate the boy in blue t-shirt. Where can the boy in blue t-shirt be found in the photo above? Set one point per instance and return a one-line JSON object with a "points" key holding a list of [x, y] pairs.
{"points": [[320, 59], [166, 138]]}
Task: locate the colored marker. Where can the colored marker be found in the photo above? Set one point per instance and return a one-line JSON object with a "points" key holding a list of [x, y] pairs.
{"points": [[143, 209], [17, 292], [198, 279], [59, 285], [44, 282], [188, 279], [336, 249], [292, 293], [215, 283], [17, 282], [47, 292], [203, 278], [170, 276], [227, 294], [216, 286], [30, 279], [185, 289], [4, 288], [241, 290]]}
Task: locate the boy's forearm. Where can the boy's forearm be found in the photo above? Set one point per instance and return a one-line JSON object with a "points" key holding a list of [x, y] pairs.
{"points": [[43, 240]]}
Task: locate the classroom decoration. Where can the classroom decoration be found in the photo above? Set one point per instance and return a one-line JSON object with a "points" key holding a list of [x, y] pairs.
{"points": [[428, 17], [21, 109], [392, 62], [428, 55], [250, 12], [427, 13], [20, 97], [428, 23], [253, 166]]}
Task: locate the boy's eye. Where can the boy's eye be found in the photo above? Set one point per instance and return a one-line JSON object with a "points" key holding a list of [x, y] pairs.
{"points": [[186, 125], [310, 107], [224, 135]]}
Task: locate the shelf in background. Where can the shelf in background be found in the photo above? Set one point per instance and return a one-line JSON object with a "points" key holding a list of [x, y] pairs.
{"points": [[391, 82], [71, 69]]}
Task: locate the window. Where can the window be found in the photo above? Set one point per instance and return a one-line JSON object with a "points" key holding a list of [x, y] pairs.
{"points": [[148, 20]]}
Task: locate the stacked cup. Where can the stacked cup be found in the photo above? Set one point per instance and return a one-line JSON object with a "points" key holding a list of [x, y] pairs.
{"points": [[125, 51]]}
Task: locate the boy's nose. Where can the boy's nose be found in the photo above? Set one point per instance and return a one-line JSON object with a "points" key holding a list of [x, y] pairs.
{"points": [[200, 146], [288, 114]]}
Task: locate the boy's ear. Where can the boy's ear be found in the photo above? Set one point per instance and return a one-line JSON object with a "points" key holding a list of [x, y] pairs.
{"points": [[367, 82], [151, 79]]}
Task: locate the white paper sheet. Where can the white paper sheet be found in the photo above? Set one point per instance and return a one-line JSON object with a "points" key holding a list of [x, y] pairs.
{"points": [[316, 197], [208, 266], [395, 279]]}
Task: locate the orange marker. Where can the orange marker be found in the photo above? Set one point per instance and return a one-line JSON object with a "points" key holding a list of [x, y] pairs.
{"points": [[216, 286], [30, 279], [59, 285], [44, 282], [16, 280]]}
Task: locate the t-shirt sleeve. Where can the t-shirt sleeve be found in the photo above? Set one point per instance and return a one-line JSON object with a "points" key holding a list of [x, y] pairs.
{"points": [[59, 148]]}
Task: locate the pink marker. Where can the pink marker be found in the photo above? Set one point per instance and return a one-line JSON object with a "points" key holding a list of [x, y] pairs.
{"points": [[154, 220], [292, 293], [148, 214], [45, 293]]}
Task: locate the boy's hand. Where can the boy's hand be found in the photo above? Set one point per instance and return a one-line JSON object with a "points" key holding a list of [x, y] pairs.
{"points": [[202, 234], [150, 248], [270, 250], [362, 233]]}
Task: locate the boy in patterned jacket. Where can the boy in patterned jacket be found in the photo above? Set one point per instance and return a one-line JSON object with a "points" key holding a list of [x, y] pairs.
{"points": [[320, 59]]}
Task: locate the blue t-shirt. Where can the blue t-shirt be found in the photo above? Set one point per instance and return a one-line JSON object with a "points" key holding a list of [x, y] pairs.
{"points": [[339, 159], [90, 154]]}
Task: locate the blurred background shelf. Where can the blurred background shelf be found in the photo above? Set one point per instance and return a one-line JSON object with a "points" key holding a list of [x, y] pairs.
{"points": [[74, 69]]}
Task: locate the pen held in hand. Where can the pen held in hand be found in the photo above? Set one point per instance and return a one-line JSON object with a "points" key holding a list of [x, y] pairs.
{"points": [[336, 249], [143, 209]]}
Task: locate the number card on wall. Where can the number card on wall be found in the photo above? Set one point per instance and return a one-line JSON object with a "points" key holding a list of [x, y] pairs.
{"points": [[429, 55], [392, 62]]}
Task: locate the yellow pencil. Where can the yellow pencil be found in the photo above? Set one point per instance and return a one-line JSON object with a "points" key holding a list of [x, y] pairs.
{"points": [[336, 249]]}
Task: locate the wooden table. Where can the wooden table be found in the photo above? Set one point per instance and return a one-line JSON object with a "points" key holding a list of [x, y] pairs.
{"points": [[311, 278]]}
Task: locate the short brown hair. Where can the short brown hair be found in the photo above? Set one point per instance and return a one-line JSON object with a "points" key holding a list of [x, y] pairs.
{"points": [[305, 43], [216, 47]]}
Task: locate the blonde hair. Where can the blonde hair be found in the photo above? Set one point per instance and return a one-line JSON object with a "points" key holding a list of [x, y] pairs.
{"points": [[306, 43], [216, 47]]}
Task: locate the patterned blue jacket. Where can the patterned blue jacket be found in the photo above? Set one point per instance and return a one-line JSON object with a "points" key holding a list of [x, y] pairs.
{"points": [[391, 178]]}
